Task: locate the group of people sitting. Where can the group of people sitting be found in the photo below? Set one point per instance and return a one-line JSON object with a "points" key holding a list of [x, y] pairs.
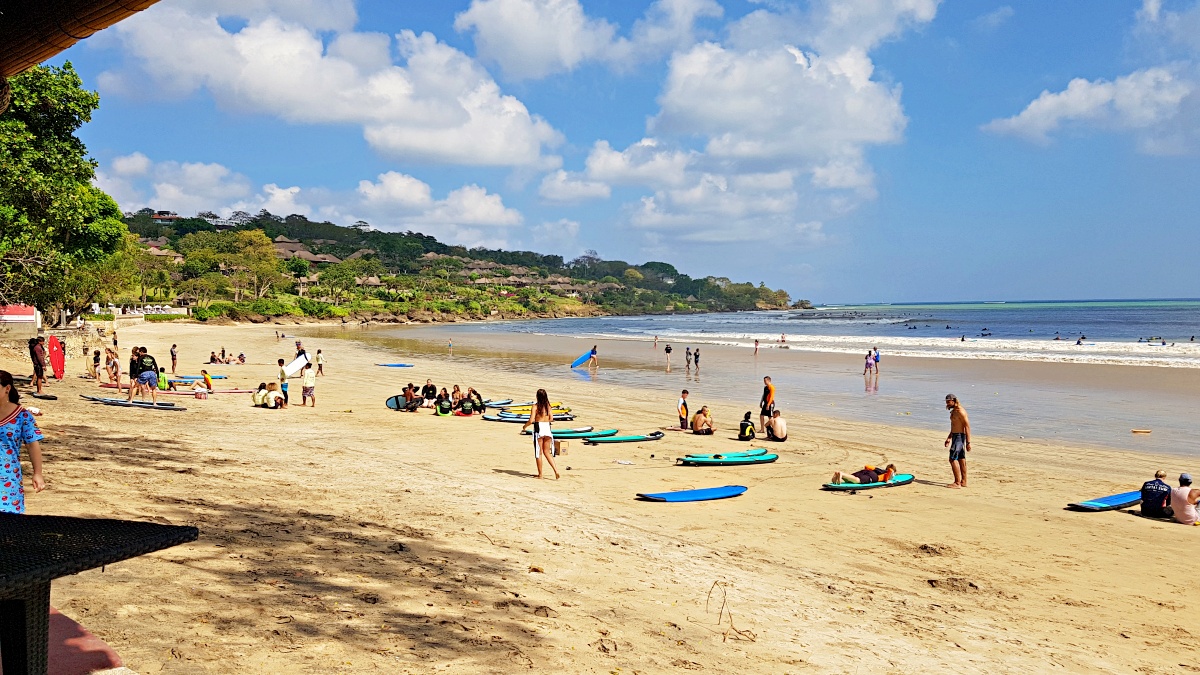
{"points": [[775, 428], [1160, 500], [239, 360], [443, 402], [268, 396]]}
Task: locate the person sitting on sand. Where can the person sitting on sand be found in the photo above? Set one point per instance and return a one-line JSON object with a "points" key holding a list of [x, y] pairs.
{"points": [[241, 359], [212, 358], [443, 407], [746, 428], [456, 396], [275, 398], [1183, 500], [476, 398], [868, 474], [164, 383], [777, 427], [259, 398], [208, 382], [429, 393], [1156, 497], [702, 422]]}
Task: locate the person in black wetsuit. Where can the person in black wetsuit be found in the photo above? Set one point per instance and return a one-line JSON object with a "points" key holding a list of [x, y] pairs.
{"points": [[429, 393], [1156, 497]]}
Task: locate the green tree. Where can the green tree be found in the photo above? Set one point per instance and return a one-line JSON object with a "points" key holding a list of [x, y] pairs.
{"points": [[52, 219], [296, 266], [633, 276]]}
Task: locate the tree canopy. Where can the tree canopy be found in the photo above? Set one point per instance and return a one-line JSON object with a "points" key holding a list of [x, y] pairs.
{"points": [[54, 224]]}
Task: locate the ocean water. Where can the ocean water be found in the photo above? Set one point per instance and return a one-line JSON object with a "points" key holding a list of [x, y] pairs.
{"points": [[1021, 331], [1011, 381]]}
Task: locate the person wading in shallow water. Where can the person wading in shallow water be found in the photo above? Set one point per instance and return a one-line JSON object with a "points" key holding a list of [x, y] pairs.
{"points": [[959, 441]]}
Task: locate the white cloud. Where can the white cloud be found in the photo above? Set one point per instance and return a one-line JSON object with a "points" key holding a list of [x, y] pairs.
{"points": [[1139, 100], [643, 163], [534, 38], [135, 182], [780, 106], [993, 19], [559, 235], [563, 187], [322, 15], [831, 26], [438, 105], [136, 164], [469, 215]]}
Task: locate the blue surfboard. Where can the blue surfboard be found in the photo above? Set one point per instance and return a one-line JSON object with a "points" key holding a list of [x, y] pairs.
{"points": [[395, 365], [583, 359], [701, 495], [201, 377], [1123, 500]]}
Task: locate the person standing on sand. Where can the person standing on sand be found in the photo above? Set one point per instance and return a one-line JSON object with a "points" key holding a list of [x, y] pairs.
{"points": [[450, 345], [37, 354], [308, 385], [656, 341], [682, 409], [766, 405], [687, 357], [320, 363], [869, 363], [283, 381], [543, 437], [696, 358], [174, 358], [959, 441], [17, 428], [756, 347], [876, 359]]}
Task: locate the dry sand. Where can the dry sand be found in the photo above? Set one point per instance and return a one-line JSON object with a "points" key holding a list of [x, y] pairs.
{"points": [[349, 538]]}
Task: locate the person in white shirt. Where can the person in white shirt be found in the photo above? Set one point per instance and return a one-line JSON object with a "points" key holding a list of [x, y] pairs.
{"points": [[308, 385], [320, 363]]}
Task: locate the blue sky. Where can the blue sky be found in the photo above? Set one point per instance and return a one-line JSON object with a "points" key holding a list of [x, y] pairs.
{"points": [[853, 150]]}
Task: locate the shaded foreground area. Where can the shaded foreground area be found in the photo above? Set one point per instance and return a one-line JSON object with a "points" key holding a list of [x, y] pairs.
{"points": [[352, 539]]}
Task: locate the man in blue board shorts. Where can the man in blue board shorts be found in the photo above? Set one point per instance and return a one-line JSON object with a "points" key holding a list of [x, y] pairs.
{"points": [[959, 441]]}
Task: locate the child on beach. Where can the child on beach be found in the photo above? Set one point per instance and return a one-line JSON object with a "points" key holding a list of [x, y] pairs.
{"points": [[17, 428], [308, 385]]}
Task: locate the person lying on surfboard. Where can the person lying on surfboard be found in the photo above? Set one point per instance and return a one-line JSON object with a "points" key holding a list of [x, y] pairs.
{"points": [[868, 474]]}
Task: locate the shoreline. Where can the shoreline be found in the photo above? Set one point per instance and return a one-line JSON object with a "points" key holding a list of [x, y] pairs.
{"points": [[349, 538], [1081, 404]]}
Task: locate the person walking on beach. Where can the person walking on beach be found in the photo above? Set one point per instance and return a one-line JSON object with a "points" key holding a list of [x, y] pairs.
{"points": [[869, 364], [687, 357], [667, 351], [37, 354], [320, 363], [682, 409], [876, 359], [543, 437], [17, 428], [592, 360], [756, 347], [959, 441], [174, 359], [766, 405], [656, 341], [283, 381], [696, 358], [308, 385]]}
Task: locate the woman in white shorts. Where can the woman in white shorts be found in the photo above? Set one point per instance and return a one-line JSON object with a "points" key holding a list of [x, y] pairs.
{"points": [[543, 437]]}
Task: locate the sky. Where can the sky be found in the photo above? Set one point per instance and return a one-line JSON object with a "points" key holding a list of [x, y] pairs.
{"points": [[844, 150]]}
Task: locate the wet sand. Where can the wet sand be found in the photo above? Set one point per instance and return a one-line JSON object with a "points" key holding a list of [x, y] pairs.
{"points": [[349, 538]]}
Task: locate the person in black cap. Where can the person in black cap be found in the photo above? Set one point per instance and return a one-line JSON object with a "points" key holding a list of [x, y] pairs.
{"points": [[959, 441]]}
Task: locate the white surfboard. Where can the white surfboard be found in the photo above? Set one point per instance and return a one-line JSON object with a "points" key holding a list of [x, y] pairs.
{"points": [[295, 366]]}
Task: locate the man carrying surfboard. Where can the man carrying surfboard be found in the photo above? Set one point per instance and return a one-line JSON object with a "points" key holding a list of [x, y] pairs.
{"points": [[959, 441]]}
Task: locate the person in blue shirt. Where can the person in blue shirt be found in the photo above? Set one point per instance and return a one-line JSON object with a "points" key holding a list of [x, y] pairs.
{"points": [[1156, 497]]}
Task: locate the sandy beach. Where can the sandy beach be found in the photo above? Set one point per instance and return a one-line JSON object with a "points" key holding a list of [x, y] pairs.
{"points": [[349, 538]]}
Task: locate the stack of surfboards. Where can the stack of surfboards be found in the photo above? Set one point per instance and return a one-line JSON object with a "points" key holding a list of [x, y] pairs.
{"points": [[757, 456]]}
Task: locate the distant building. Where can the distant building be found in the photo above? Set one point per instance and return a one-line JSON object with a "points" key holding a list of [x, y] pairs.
{"points": [[169, 255], [164, 216], [221, 224]]}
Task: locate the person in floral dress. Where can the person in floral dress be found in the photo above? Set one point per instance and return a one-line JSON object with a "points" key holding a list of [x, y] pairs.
{"points": [[17, 428]]}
